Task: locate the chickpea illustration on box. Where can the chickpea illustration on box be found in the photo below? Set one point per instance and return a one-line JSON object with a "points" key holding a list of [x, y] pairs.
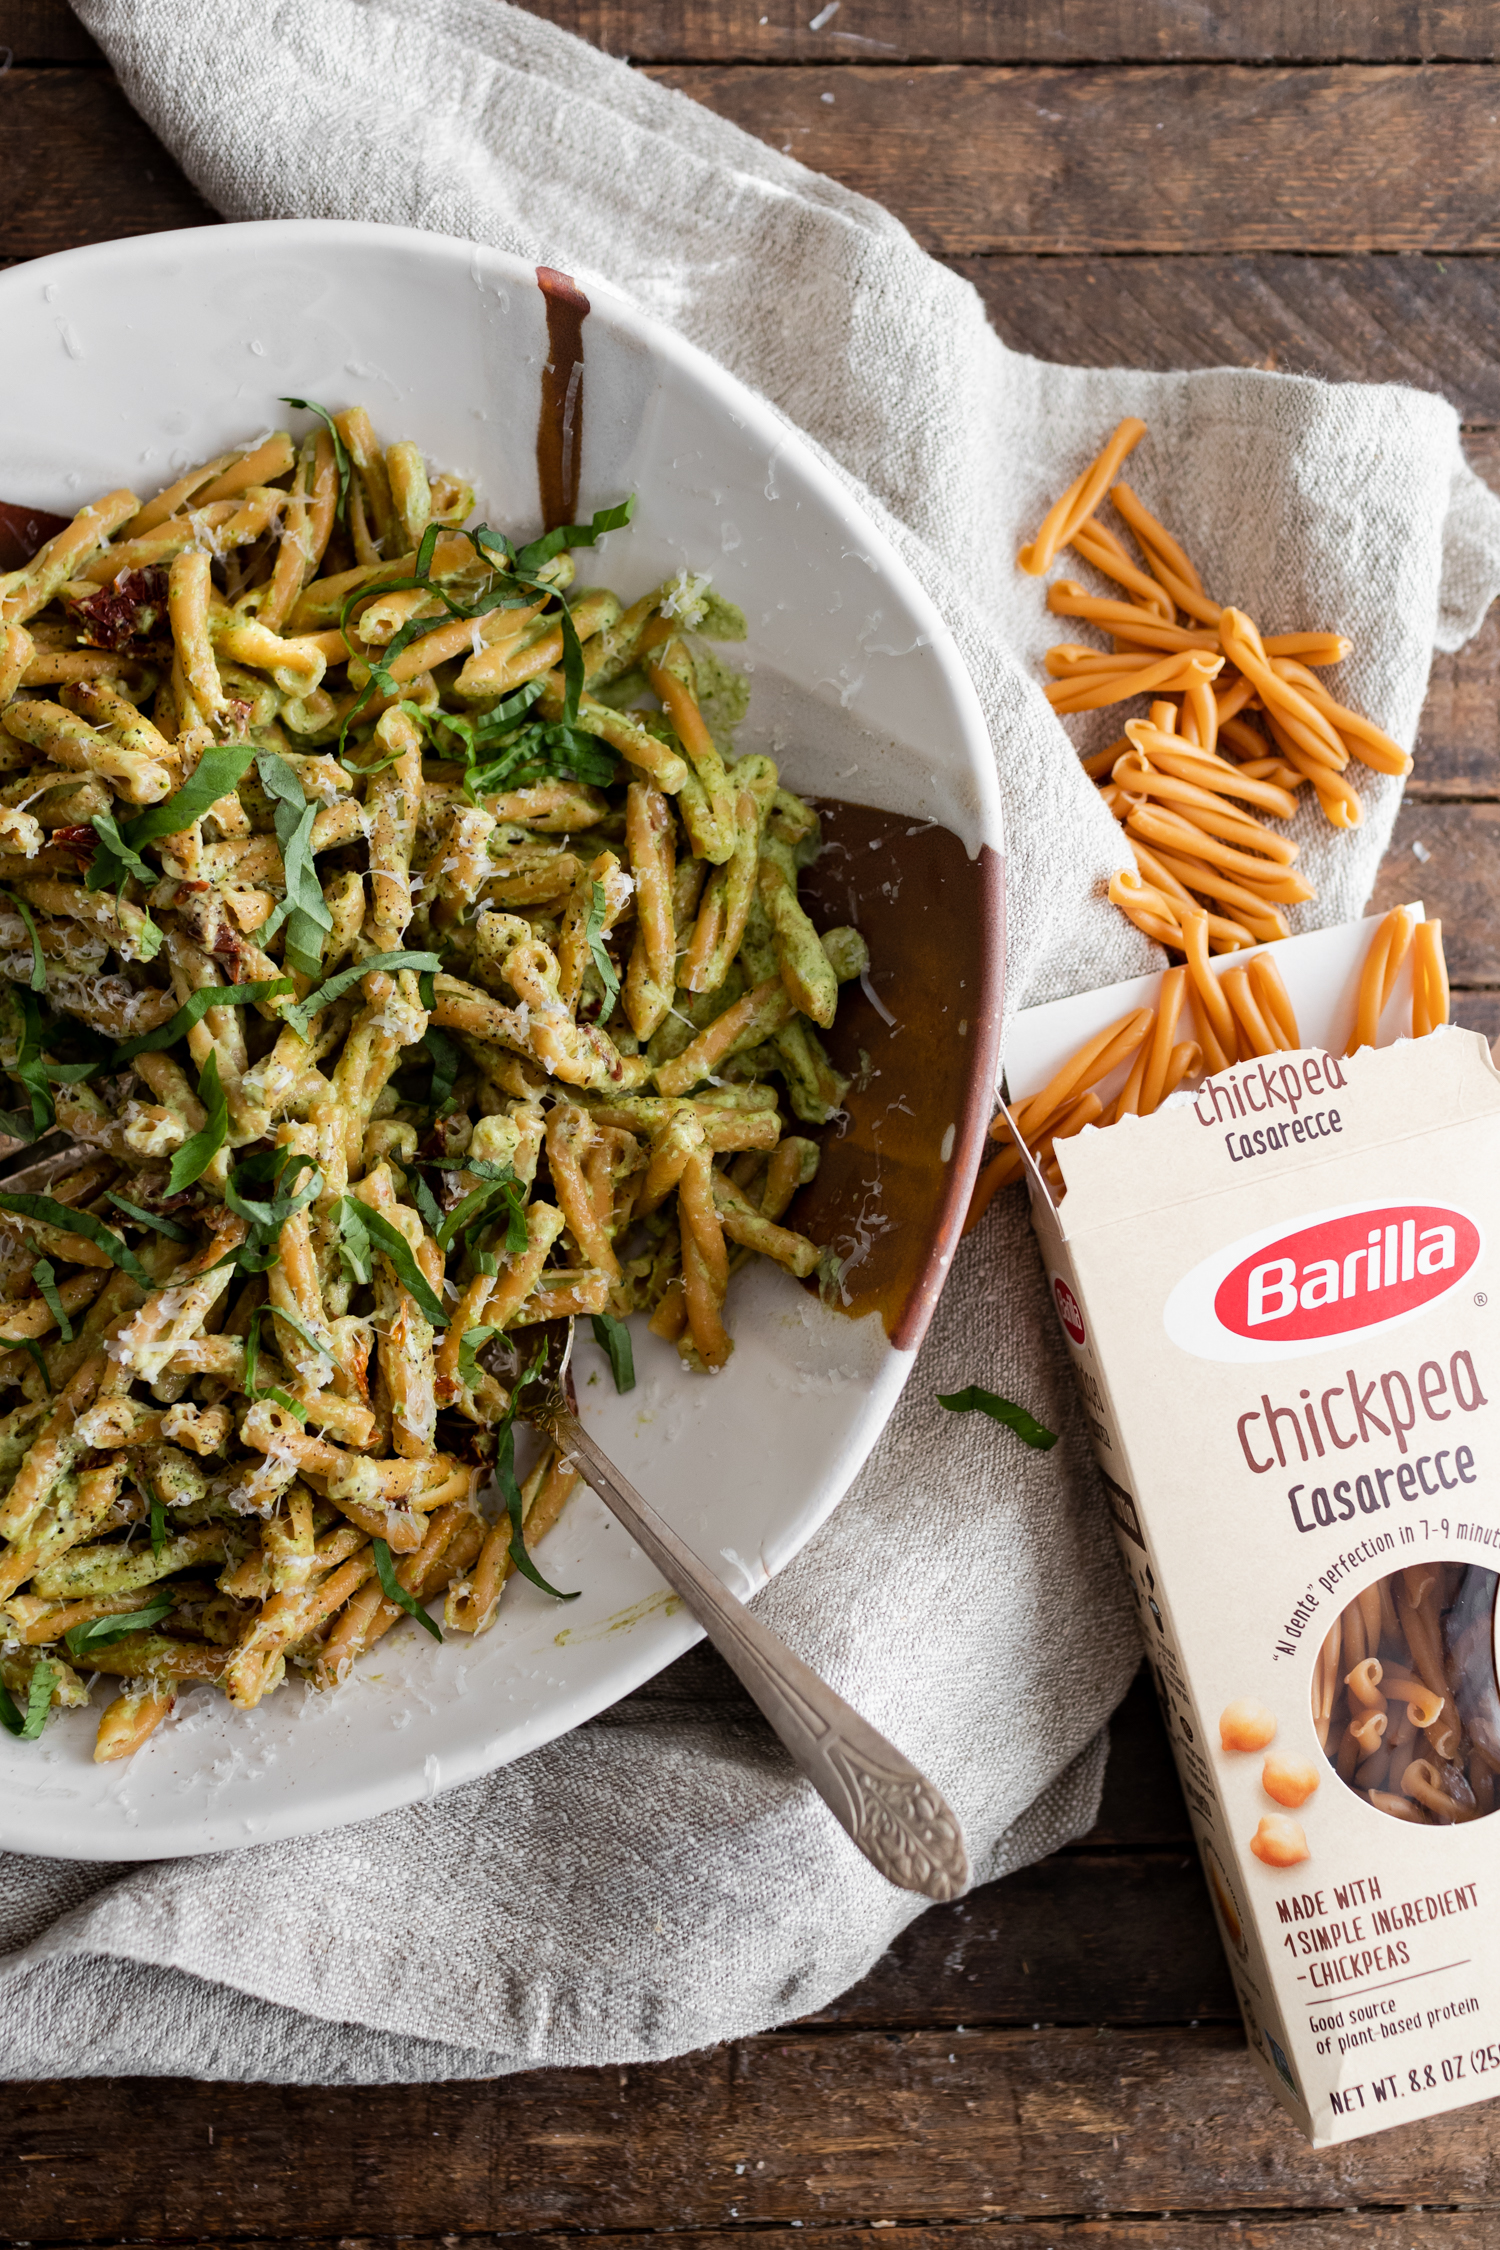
{"points": [[1249, 1726]]}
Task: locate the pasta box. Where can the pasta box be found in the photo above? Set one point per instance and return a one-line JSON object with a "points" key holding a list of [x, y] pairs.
{"points": [[1280, 1297]]}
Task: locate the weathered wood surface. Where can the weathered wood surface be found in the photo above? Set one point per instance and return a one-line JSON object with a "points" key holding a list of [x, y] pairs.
{"points": [[1183, 158], [1035, 31], [926, 2127], [965, 31], [77, 165], [1136, 181], [1427, 320], [979, 160], [1467, 2229], [1464, 843]]}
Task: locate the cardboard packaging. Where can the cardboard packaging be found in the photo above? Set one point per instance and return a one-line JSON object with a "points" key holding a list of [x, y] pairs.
{"points": [[1280, 1296]]}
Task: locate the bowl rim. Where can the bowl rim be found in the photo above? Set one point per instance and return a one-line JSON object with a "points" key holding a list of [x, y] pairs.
{"points": [[78, 266], [663, 340], [986, 842]]}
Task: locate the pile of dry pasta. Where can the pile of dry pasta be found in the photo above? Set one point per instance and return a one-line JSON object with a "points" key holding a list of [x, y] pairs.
{"points": [[1236, 1012], [1403, 1694], [384, 924], [1249, 726], [1237, 724]]}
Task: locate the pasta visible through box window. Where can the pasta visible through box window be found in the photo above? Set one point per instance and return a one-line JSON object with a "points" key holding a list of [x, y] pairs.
{"points": [[1404, 1697], [389, 922]]}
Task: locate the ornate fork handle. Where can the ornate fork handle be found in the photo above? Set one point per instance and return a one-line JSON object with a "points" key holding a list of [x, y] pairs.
{"points": [[896, 1817]]}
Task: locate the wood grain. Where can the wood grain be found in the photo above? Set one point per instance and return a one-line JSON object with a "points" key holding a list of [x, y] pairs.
{"points": [[77, 165], [1425, 320], [1019, 31], [976, 160], [1034, 31], [1127, 1935], [1142, 1807], [1347, 2230], [1478, 1011], [1458, 745], [836, 2127], [38, 31], [979, 160], [1457, 880]]}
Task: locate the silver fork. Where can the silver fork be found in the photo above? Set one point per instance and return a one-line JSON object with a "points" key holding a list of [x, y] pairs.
{"points": [[901, 1823]]}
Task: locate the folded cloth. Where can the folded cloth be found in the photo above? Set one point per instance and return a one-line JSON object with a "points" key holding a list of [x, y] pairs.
{"points": [[660, 1879]]}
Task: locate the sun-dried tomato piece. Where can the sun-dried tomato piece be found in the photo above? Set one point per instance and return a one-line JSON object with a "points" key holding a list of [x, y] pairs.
{"points": [[128, 610]]}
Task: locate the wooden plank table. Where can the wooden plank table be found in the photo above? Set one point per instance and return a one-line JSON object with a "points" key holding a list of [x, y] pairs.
{"points": [[1299, 184]]}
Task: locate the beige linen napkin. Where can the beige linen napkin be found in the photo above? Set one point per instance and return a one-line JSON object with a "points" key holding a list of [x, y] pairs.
{"points": [[965, 1595]]}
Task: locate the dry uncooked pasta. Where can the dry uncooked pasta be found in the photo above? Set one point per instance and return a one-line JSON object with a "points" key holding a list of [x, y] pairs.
{"points": [[1238, 1010], [1404, 1694], [1238, 724]]}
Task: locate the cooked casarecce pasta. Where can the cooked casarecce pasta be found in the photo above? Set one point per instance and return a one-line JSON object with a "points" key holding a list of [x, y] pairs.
{"points": [[1237, 724], [407, 959], [1239, 1011]]}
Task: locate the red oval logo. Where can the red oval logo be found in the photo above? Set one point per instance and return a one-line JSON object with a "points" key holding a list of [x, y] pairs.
{"points": [[1067, 1310], [1354, 1271]]}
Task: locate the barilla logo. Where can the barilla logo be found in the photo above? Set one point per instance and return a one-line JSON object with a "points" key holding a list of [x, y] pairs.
{"points": [[1359, 1271], [1285, 1291], [1067, 1309]]}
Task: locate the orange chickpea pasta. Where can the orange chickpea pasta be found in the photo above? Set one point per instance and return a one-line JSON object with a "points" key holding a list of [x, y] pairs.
{"points": [[1206, 1018], [1235, 726], [1229, 728], [394, 955]]}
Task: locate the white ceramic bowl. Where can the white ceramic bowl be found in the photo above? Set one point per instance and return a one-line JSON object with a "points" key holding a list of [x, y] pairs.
{"points": [[129, 360]]}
